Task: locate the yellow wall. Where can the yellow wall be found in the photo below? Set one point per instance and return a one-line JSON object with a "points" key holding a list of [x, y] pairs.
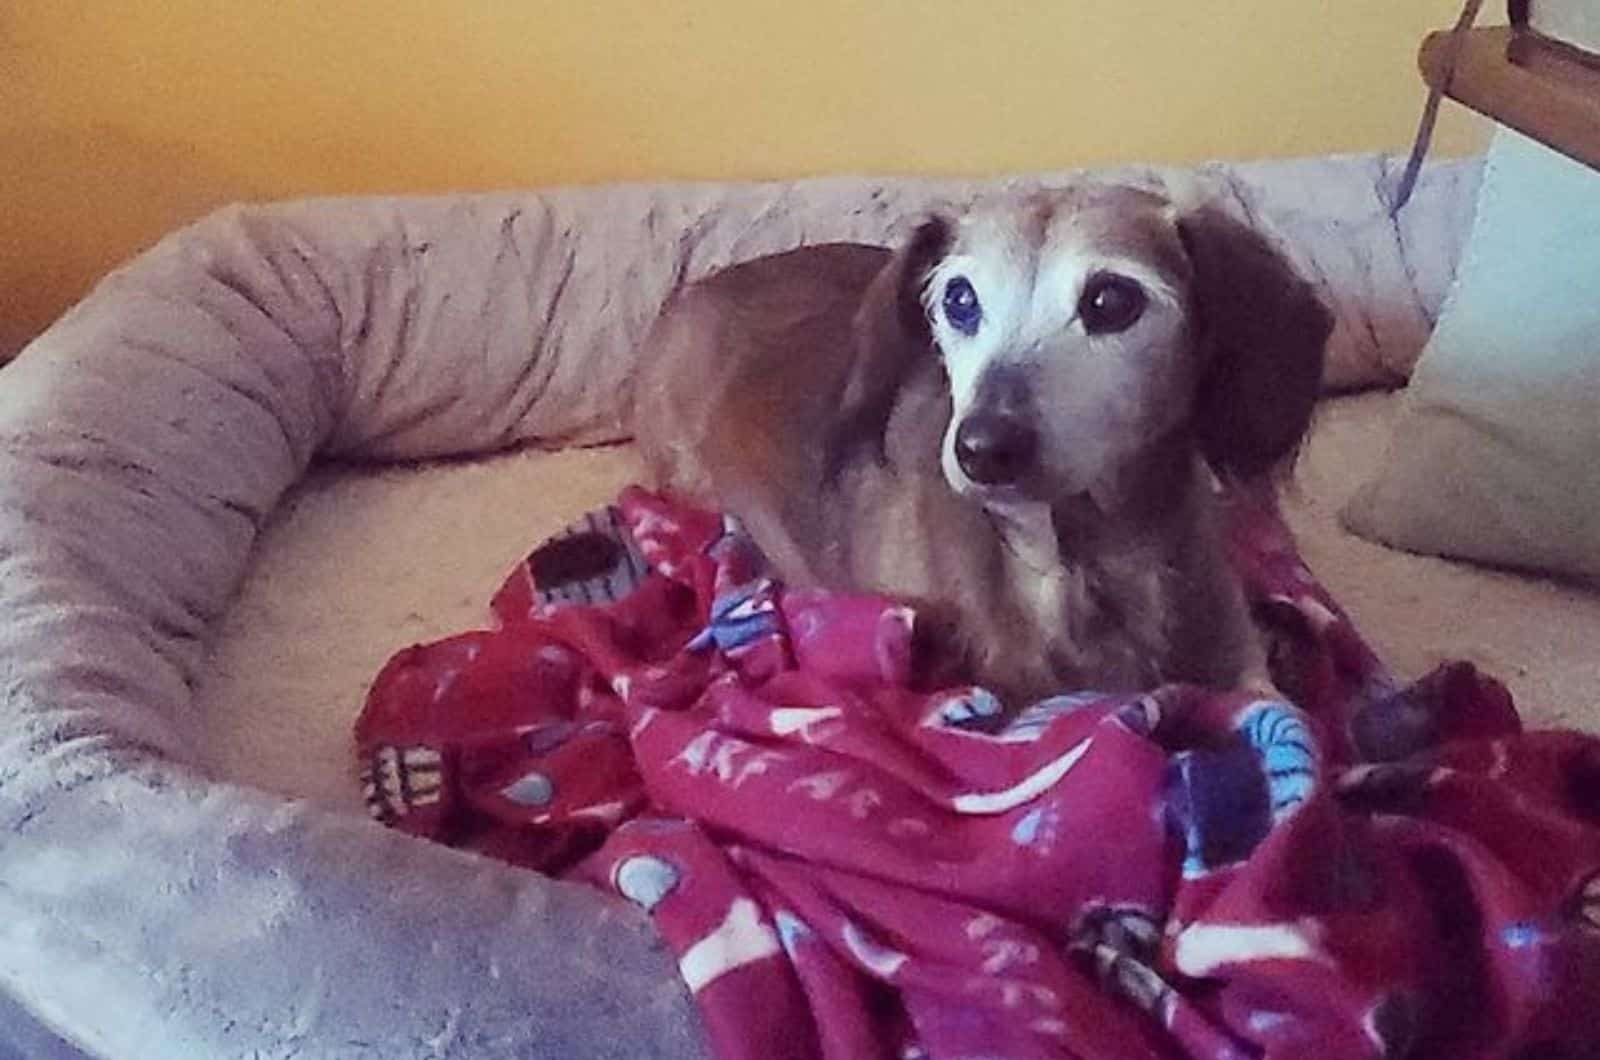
{"points": [[119, 118]]}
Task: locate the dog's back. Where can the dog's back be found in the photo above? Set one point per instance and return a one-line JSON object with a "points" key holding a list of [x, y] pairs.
{"points": [[739, 389]]}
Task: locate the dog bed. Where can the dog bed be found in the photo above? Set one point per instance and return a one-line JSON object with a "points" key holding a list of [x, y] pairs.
{"points": [[159, 893]]}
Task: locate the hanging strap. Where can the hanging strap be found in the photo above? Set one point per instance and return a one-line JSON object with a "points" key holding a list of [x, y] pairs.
{"points": [[1430, 110]]}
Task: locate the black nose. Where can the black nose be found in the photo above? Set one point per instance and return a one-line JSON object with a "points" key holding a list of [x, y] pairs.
{"points": [[995, 449]]}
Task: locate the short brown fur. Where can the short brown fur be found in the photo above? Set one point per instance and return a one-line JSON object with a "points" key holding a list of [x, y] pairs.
{"points": [[808, 393]]}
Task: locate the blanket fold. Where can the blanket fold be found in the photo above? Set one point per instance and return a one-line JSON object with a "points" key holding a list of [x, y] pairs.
{"points": [[851, 858]]}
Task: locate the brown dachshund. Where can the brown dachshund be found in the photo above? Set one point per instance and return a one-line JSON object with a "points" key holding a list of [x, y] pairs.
{"points": [[1018, 421]]}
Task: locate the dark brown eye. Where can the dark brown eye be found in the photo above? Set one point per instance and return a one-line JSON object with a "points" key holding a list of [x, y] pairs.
{"points": [[1110, 303]]}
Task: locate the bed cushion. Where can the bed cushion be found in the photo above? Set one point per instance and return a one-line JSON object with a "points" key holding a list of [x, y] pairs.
{"points": [[159, 897], [1495, 457]]}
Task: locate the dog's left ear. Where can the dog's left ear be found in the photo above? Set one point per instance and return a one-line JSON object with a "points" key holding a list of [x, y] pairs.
{"points": [[891, 331], [1265, 333]]}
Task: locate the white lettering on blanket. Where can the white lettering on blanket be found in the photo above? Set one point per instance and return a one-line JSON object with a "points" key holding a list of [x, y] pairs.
{"points": [[741, 939], [732, 760]]}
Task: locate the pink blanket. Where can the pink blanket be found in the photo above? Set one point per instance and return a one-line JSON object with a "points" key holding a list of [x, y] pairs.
{"points": [[853, 856]]}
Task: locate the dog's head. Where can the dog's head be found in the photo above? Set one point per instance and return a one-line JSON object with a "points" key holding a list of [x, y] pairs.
{"points": [[1085, 331]]}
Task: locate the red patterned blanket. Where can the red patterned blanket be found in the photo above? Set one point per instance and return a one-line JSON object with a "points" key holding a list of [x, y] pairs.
{"points": [[850, 863]]}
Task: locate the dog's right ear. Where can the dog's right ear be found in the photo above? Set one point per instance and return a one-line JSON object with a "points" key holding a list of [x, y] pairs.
{"points": [[891, 332]]}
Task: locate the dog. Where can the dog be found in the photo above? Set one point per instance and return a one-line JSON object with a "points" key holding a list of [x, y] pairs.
{"points": [[1018, 422]]}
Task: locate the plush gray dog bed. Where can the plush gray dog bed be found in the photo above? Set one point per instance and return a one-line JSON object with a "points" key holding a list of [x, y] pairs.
{"points": [[155, 899]]}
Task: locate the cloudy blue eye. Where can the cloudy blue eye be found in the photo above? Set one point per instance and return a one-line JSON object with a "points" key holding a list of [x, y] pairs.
{"points": [[961, 306]]}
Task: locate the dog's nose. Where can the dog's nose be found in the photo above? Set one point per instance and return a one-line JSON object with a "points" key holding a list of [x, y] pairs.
{"points": [[995, 449]]}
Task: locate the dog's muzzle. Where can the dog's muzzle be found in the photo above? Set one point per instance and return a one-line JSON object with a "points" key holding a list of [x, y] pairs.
{"points": [[996, 448]]}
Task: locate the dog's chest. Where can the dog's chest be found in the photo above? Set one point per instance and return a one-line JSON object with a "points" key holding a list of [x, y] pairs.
{"points": [[1046, 598], [1089, 625], [1030, 624]]}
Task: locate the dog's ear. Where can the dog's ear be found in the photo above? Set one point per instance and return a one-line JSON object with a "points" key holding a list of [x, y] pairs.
{"points": [[891, 330], [1265, 334]]}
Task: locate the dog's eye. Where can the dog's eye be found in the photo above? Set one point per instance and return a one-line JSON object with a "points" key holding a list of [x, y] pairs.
{"points": [[1110, 303], [961, 306]]}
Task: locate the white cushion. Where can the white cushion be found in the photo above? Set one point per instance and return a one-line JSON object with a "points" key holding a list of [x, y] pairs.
{"points": [[1497, 455]]}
